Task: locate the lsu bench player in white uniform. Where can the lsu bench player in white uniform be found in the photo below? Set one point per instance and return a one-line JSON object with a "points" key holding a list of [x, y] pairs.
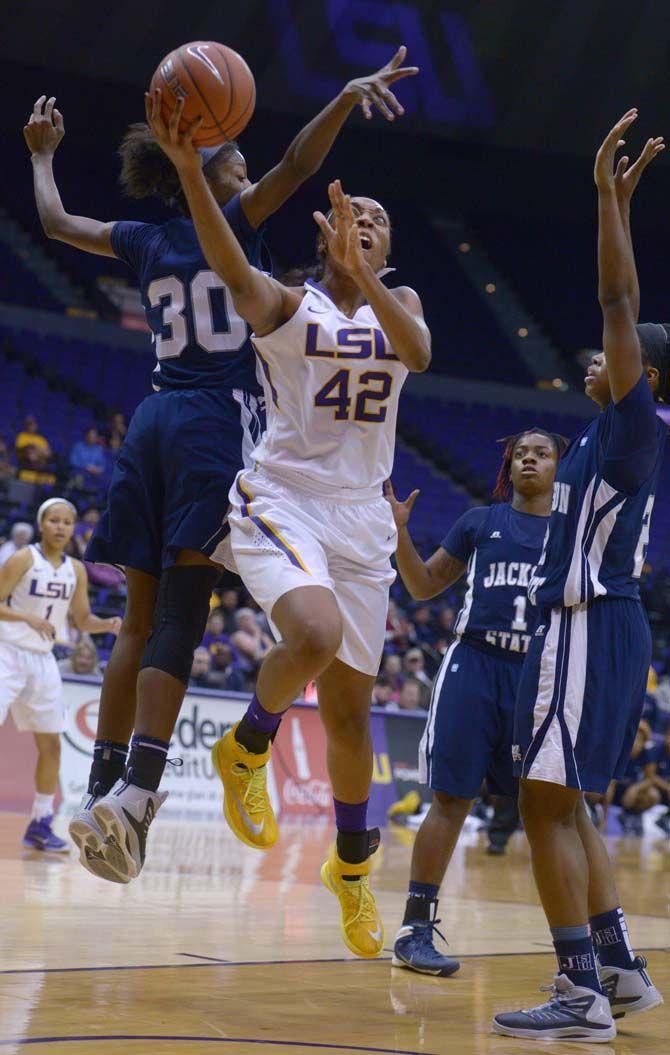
{"points": [[311, 533], [38, 586]]}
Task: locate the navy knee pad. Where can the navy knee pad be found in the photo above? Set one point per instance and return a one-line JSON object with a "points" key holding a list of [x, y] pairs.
{"points": [[180, 617]]}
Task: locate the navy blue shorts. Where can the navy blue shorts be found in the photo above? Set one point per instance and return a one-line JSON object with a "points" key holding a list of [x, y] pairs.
{"points": [[581, 694], [468, 735], [169, 489]]}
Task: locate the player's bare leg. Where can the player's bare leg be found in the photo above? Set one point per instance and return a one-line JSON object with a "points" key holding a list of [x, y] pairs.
{"points": [[310, 625], [344, 704], [39, 834], [433, 849], [623, 975]]}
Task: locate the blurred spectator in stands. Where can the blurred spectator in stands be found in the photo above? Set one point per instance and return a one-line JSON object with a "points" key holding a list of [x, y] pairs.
{"points": [[83, 660], [214, 630], [249, 640], [84, 529], [382, 691], [414, 666], [34, 454], [399, 630], [20, 535], [226, 674], [116, 430], [425, 629], [201, 669], [412, 697], [87, 460], [230, 599], [445, 629], [636, 792], [7, 470], [392, 669]]}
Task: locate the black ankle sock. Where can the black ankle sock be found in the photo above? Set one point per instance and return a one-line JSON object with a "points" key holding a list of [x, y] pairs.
{"points": [[254, 740], [356, 847], [108, 766], [419, 910], [146, 763]]}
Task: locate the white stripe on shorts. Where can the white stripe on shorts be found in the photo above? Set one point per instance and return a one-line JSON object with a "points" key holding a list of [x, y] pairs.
{"points": [[428, 738]]}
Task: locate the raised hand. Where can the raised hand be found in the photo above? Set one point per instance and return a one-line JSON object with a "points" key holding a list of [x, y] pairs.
{"points": [[401, 510], [114, 624], [341, 232], [178, 146], [603, 172], [45, 127], [626, 179], [374, 90]]}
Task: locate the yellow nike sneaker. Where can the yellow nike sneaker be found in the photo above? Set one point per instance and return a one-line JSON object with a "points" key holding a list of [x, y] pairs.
{"points": [[362, 928], [246, 803]]}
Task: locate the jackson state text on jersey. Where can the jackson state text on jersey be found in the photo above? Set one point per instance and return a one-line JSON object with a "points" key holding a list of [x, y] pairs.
{"points": [[199, 339], [501, 547], [332, 385], [598, 531]]}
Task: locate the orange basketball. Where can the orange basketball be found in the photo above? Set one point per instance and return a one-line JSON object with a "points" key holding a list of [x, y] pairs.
{"points": [[215, 83]]}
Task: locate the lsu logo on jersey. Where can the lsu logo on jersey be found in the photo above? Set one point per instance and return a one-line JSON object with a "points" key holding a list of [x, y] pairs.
{"points": [[53, 590], [353, 342]]}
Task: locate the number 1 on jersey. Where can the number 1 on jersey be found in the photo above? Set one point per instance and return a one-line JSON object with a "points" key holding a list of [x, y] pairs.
{"points": [[519, 622]]}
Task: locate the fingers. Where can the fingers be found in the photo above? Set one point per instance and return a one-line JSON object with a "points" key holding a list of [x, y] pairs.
{"points": [[58, 121], [379, 97], [48, 109], [191, 130], [321, 221], [367, 109], [175, 120], [412, 499], [397, 75], [37, 108], [621, 168], [397, 58]]}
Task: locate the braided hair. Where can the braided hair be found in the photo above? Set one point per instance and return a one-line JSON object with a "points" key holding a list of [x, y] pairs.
{"points": [[502, 491], [146, 171]]}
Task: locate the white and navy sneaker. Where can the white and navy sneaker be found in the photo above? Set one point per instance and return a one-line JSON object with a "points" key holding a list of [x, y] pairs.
{"points": [[124, 816], [97, 857], [629, 991], [572, 1013], [414, 948]]}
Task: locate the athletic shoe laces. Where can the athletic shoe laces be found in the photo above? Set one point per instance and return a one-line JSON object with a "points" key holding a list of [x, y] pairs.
{"points": [[255, 798], [359, 902], [427, 931]]}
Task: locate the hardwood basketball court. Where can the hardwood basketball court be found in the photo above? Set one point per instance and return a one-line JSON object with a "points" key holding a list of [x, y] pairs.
{"points": [[220, 949]]}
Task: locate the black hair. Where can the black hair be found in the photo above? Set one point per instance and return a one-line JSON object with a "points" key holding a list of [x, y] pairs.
{"points": [[503, 488], [654, 340], [146, 171]]}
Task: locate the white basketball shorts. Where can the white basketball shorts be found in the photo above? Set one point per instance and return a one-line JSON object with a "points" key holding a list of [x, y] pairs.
{"points": [[31, 688], [283, 538]]}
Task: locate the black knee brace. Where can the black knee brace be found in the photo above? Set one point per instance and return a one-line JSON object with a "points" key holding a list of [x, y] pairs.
{"points": [[180, 617]]}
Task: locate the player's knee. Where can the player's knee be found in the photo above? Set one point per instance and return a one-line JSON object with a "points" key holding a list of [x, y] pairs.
{"points": [[48, 746], [449, 806], [348, 724], [179, 620], [316, 642], [543, 805], [136, 627]]}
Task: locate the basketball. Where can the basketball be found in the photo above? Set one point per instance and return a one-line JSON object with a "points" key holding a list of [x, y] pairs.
{"points": [[215, 83]]}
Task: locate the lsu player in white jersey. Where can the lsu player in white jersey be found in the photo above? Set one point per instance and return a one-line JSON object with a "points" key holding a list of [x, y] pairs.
{"points": [[311, 533], [39, 585]]}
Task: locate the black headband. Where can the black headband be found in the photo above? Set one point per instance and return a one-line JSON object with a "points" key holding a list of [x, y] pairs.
{"points": [[654, 340]]}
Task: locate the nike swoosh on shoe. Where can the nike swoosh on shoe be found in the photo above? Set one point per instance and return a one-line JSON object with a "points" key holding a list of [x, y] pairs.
{"points": [[255, 828]]}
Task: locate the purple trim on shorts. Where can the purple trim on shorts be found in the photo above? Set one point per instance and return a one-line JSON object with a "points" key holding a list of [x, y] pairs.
{"points": [[269, 533]]}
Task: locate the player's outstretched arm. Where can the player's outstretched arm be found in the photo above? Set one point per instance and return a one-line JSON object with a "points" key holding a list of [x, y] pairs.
{"points": [[84, 619], [399, 311], [10, 573], [423, 578], [626, 180], [310, 147], [43, 133], [616, 264], [264, 303]]}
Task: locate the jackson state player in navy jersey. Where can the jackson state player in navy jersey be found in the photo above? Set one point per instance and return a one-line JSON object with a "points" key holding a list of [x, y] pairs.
{"points": [[165, 518], [468, 734], [583, 684]]}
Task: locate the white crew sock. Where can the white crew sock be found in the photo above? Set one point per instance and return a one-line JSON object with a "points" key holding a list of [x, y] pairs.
{"points": [[43, 806]]}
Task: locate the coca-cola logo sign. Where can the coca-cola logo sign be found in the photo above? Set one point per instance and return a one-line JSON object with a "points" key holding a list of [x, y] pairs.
{"points": [[309, 794]]}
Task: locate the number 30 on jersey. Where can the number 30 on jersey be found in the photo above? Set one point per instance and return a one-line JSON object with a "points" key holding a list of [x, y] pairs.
{"points": [[181, 303]]}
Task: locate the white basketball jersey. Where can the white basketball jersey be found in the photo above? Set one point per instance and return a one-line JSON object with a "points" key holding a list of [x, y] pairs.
{"points": [[43, 591], [331, 392]]}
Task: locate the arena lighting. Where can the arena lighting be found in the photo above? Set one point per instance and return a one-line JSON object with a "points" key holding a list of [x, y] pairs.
{"points": [[490, 287], [465, 247], [522, 331]]}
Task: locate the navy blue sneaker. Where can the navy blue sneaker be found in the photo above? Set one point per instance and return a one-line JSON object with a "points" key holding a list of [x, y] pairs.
{"points": [[629, 990], [572, 1013], [414, 948], [40, 835]]}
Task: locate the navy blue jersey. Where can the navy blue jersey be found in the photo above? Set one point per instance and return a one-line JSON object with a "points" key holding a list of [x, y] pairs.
{"points": [[501, 547], [601, 510], [199, 339]]}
